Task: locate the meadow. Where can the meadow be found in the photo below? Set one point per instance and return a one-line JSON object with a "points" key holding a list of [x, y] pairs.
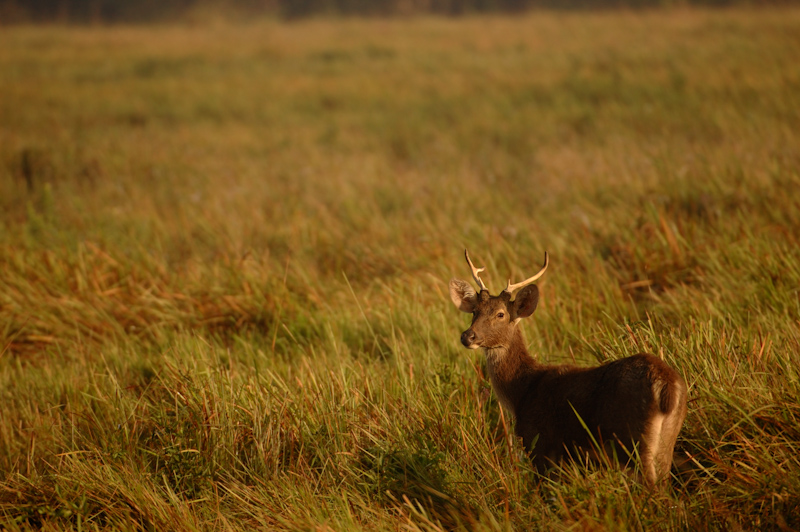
{"points": [[225, 249]]}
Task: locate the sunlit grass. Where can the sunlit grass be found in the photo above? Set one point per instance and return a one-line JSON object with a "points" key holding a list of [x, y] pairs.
{"points": [[224, 255]]}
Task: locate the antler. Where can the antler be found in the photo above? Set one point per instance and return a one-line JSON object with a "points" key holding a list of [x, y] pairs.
{"points": [[511, 287], [475, 272]]}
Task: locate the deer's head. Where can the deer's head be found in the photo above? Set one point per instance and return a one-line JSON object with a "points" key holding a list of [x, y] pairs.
{"points": [[494, 318]]}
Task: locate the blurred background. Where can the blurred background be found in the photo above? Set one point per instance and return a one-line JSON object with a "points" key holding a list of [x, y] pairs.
{"points": [[99, 11]]}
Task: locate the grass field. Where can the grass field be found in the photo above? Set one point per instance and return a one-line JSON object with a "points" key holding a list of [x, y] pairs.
{"points": [[225, 248]]}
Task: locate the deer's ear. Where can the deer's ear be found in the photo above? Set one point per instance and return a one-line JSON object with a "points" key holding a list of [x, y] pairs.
{"points": [[463, 295], [526, 301]]}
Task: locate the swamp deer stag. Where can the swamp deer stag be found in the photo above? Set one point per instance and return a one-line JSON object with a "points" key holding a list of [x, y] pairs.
{"points": [[568, 411]]}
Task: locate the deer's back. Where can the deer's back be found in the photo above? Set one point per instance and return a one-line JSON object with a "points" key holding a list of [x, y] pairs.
{"points": [[615, 401]]}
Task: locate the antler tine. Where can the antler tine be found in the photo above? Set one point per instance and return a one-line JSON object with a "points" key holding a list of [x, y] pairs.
{"points": [[475, 272], [511, 287]]}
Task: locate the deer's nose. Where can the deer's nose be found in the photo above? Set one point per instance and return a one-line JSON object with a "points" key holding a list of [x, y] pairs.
{"points": [[468, 338]]}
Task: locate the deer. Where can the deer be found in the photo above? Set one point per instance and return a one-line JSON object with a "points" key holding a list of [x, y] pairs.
{"points": [[635, 404]]}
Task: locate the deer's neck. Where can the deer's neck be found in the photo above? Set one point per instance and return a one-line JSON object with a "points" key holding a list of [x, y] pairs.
{"points": [[511, 370]]}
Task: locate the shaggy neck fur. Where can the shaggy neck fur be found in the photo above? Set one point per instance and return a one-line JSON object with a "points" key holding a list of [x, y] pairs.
{"points": [[510, 370]]}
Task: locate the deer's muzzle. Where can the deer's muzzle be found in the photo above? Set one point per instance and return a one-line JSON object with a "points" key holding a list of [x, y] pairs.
{"points": [[469, 339]]}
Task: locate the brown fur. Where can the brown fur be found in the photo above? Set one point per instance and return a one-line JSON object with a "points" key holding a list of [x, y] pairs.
{"points": [[635, 402]]}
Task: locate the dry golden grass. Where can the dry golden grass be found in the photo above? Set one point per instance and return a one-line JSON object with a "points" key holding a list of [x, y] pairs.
{"points": [[224, 251]]}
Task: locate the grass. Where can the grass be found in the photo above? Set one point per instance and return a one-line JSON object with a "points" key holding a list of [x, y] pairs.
{"points": [[225, 248]]}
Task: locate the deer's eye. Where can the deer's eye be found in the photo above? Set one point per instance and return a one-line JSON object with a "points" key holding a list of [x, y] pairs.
{"points": [[500, 315]]}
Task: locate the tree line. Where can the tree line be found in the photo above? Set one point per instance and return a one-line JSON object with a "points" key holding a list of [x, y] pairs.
{"points": [[116, 11]]}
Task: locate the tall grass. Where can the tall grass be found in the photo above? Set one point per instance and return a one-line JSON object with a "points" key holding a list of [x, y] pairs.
{"points": [[224, 252]]}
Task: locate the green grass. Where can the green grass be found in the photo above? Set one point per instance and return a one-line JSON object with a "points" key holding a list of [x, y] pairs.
{"points": [[224, 256]]}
